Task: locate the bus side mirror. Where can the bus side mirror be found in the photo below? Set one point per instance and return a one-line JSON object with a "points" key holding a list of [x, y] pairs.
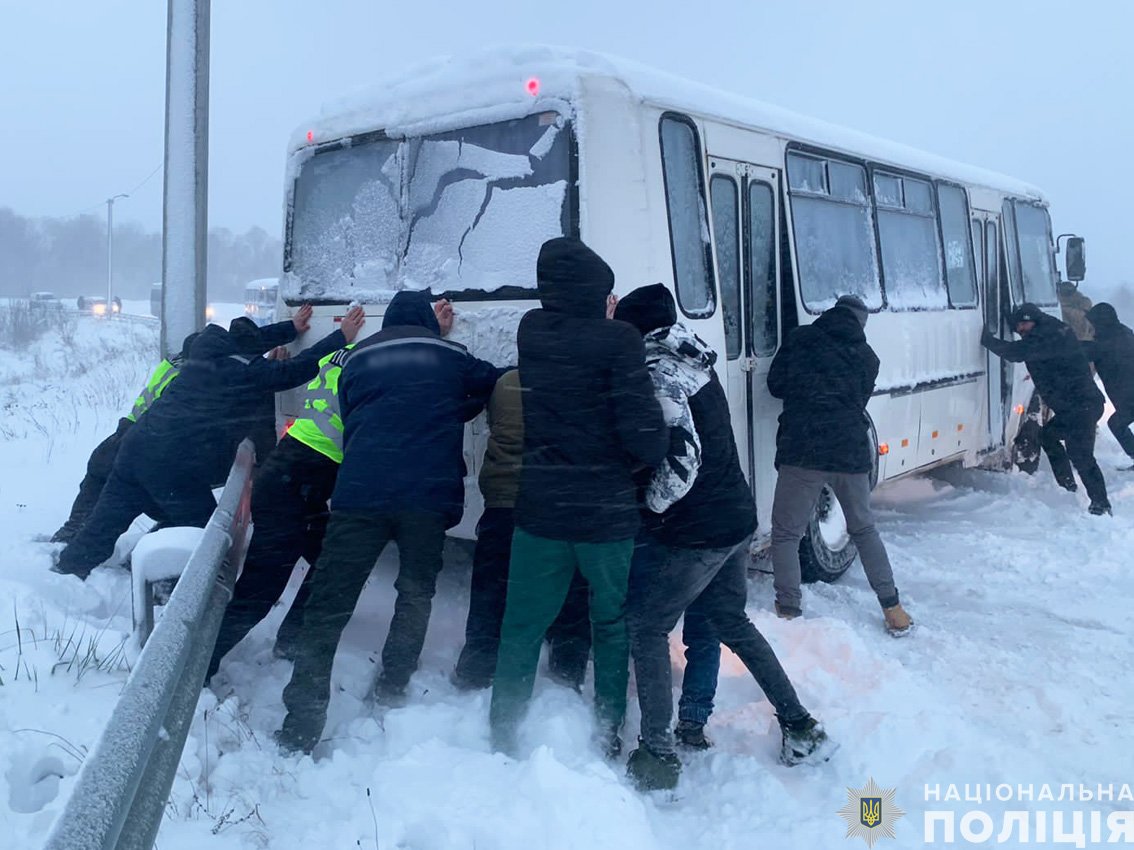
{"points": [[1076, 258]]}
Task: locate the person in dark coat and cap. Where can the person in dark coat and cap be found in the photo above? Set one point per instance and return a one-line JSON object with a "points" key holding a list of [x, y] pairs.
{"points": [[590, 418], [691, 555], [405, 394], [1061, 373], [184, 445], [825, 374], [1112, 352]]}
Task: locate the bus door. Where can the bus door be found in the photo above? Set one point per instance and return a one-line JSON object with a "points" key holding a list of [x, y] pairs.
{"points": [[995, 299], [744, 200]]}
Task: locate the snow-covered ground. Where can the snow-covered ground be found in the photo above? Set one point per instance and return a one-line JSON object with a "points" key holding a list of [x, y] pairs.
{"points": [[1018, 673]]}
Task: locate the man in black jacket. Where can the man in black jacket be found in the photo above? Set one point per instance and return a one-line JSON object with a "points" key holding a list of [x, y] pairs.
{"points": [[1112, 352], [590, 417], [697, 521], [1062, 376], [825, 374], [170, 461], [405, 395]]}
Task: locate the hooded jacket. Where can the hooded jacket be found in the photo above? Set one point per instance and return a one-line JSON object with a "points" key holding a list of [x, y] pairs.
{"points": [[825, 374], [1056, 361], [193, 429], [697, 497], [1112, 352], [404, 395], [590, 415]]}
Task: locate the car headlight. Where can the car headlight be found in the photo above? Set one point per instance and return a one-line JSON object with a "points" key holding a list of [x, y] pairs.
{"points": [[99, 309], [210, 312]]}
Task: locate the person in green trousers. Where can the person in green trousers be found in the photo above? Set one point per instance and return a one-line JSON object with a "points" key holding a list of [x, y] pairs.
{"points": [[590, 419]]}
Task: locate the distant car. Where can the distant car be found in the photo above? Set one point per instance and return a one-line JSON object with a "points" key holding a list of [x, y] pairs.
{"points": [[96, 306], [45, 301], [260, 300], [155, 304]]}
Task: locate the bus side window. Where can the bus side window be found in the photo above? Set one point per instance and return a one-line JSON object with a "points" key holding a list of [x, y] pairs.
{"points": [[725, 200], [688, 221]]}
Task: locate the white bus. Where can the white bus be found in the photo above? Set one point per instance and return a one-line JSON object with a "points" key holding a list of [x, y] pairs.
{"points": [[260, 298], [452, 176]]}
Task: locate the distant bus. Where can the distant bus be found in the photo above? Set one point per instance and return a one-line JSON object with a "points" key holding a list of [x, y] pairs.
{"points": [[260, 300], [155, 300], [756, 218]]}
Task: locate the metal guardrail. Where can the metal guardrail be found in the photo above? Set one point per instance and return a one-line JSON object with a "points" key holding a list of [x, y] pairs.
{"points": [[122, 788]]}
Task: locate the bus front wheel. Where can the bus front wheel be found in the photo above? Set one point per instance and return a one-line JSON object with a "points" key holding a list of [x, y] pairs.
{"points": [[826, 551]]}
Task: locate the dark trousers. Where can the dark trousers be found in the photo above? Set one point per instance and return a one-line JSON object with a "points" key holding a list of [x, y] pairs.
{"points": [[569, 636], [1119, 424], [664, 582], [99, 466], [289, 519], [176, 496], [353, 543], [702, 657], [1069, 439]]}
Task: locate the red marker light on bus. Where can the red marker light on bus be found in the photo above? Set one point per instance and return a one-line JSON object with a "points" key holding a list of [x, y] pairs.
{"points": [[310, 135], [884, 449], [532, 85]]}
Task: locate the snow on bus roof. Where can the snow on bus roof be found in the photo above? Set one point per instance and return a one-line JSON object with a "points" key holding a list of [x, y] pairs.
{"points": [[492, 84]]}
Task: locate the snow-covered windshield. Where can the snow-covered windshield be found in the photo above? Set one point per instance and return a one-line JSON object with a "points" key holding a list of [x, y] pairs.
{"points": [[1036, 268], [462, 210]]}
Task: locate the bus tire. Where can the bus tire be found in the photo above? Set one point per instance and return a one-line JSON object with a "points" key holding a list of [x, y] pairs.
{"points": [[826, 551]]}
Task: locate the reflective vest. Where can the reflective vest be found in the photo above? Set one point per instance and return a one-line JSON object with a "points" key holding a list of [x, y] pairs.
{"points": [[165, 372], [321, 427]]}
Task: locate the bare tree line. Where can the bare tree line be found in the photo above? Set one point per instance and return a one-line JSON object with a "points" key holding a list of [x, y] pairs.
{"points": [[68, 257]]}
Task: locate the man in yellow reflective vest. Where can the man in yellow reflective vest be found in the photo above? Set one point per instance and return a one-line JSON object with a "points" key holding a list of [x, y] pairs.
{"points": [[102, 458], [289, 514]]}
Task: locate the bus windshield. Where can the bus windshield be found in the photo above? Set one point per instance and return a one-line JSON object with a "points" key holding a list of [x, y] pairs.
{"points": [[455, 211], [1034, 235]]}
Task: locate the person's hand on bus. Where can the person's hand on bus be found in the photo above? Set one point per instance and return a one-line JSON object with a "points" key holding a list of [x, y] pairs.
{"points": [[443, 310], [280, 352], [352, 323], [302, 319], [611, 304]]}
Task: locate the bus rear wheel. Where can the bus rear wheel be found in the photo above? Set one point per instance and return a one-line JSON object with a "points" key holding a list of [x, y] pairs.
{"points": [[826, 551]]}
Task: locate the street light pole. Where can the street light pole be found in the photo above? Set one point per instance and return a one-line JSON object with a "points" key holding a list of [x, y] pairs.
{"points": [[110, 252]]}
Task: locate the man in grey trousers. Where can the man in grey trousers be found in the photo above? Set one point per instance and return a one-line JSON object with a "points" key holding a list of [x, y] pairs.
{"points": [[825, 374]]}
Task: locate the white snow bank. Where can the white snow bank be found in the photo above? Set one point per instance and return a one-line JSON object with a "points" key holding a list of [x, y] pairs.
{"points": [[163, 554]]}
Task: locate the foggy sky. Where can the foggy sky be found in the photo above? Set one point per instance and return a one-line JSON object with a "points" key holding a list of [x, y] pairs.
{"points": [[1036, 89]]}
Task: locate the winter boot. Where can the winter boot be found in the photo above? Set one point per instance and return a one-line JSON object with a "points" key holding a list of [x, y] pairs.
{"points": [[1098, 508], [389, 695], [787, 612], [692, 735], [1067, 483], [805, 742], [650, 771], [898, 622]]}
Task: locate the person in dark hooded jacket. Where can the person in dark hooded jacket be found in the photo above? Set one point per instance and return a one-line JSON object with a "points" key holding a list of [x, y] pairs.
{"points": [[101, 461], [171, 459], [590, 418], [1112, 352], [1061, 373], [405, 395], [692, 552], [825, 374]]}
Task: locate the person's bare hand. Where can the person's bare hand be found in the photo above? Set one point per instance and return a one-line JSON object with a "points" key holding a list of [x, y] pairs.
{"points": [[352, 323], [279, 353], [611, 303], [443, 310], [302, 319]]}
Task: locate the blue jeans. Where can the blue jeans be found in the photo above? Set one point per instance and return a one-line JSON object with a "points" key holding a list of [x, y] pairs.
{"points": [[702, 664]]}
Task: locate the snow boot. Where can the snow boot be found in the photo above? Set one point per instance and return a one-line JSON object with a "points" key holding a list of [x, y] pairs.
{"points": [[1067, 484], [787, 612], [389, 695], [692, 735], [1100, 509], [805, 742], [650, 771], [898, 622]]}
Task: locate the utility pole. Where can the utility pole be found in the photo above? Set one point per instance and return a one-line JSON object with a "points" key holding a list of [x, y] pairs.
{"points": [[110, 253], [185, 208]]}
